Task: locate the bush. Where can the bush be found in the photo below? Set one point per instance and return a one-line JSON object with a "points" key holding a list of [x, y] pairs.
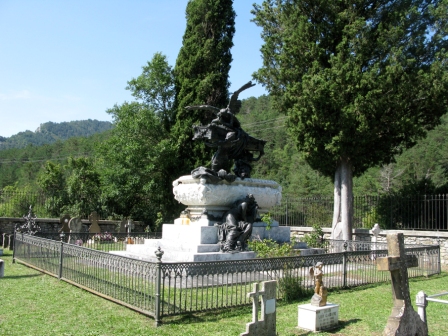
{"points": [[268, 248], [315, 238]]}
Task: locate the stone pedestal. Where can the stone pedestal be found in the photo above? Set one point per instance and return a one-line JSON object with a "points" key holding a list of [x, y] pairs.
{"points": [[195, 238], [318, 318], [216, 199]]}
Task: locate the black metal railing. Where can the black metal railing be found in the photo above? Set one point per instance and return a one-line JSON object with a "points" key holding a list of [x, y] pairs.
{"points": [[161, 289], [104, 241], [421, 212]]}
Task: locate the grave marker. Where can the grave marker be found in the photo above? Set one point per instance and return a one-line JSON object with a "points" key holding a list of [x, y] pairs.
{"points": [[94, 227], [75, 225], [2, 268], [403, 319], [266, 326], [64, 220]]}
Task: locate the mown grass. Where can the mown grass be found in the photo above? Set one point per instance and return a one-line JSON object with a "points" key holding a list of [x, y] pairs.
{"points": [[36, 304]]}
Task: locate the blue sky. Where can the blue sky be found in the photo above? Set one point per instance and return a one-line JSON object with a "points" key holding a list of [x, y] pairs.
{"points": [[71, 60]]}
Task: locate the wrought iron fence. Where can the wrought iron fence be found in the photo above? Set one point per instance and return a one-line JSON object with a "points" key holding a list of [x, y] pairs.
{"points": [[421, 212], [425, 212], [104, 241], [16, 203], [161, 289]]}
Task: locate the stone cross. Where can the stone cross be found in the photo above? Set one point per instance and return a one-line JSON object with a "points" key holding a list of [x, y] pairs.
{"points": [[266, 326], [129, 226], [403, 319], [93, 218]]}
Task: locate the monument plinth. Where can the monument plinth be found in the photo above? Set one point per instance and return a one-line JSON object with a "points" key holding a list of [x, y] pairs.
{"points": [[194, 236], [217, 198]]}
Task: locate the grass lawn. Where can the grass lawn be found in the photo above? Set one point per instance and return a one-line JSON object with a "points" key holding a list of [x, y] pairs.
{"points": [[36, 304]]}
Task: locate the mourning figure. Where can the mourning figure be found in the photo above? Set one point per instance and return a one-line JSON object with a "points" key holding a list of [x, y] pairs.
{"points": [[234, 233], [231, 142]]}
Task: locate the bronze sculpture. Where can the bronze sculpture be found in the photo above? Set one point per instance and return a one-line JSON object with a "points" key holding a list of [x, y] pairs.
{"points": [[232, 143], [234, 233], [319, 298]]}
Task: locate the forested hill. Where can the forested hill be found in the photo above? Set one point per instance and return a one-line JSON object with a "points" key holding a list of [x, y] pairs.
{"points": [[50, 132]]}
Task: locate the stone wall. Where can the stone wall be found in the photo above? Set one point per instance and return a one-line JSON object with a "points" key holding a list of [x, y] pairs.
{"points": [[410, 237], [49, 225]]}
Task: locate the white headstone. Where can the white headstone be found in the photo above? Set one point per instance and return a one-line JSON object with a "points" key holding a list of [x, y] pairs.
{"points": [[2, 268], [318, 318]]}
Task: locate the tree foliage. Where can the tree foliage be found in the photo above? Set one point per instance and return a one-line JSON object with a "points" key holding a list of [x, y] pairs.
{"points": [[360, 80], [201, 74], [155, 88], [137, 161]]}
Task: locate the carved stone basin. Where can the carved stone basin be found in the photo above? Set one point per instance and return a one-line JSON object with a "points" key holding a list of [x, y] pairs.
{"points": [[199, 195]]}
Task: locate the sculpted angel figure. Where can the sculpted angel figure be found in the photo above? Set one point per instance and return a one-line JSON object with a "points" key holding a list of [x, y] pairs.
{"points": [[231, 142], [319, 298]]}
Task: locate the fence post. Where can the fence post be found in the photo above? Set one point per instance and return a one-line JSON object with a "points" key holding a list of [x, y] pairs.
{"points": [[61, 257], [14, 249], [344, 265], [421, 303], [159, 254]]}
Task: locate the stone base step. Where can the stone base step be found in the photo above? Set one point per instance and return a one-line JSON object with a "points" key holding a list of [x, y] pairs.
{"points": [[188, 257]]}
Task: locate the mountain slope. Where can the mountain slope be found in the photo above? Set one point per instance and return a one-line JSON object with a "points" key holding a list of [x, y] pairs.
{"points": [[50, 132]]}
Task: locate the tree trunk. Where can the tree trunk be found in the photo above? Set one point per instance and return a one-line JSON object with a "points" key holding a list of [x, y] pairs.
{"points": [[337, 203], [342, 224], [346, 199]]}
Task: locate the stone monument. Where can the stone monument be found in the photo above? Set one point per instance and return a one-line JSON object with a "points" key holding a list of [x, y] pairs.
{"points": [[222, 209], [318, 315], [94, 227], [64, 220], [266, 326], [75, 225], [404, 320]]}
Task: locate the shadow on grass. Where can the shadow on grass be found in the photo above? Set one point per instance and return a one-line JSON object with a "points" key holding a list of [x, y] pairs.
{"points": [[22, 276], [335, 331], [209, 316], [374, 285]]}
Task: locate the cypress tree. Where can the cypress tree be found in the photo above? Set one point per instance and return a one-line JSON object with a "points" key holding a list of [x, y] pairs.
{"points": [[201, 75], [360, 81]]}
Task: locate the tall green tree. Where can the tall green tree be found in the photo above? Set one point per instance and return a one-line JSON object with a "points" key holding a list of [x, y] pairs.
{"points": [[201, 74], [137, 162], [155, 88], [360, 80]]}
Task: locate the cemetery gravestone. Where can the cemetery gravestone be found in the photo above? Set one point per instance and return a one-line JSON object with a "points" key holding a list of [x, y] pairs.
{"points": [[75, 225], [94, 227], [123, 226], [64, 220], [318, 315], [266, 326], [403, 319], [376, 232], [2, 268]]}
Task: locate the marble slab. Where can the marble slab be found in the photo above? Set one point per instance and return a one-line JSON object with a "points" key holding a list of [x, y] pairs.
{"points": [[318, 318]]}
